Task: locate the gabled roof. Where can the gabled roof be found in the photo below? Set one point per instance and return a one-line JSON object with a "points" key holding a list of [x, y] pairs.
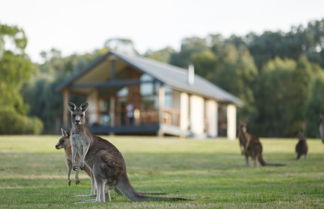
{"points": [[169, 74]]}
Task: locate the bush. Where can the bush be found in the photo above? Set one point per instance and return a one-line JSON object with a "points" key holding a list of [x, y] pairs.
{"points": [[12, 122]]}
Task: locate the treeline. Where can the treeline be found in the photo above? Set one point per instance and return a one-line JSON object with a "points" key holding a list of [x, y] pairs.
{"points": [[15, 70], [278, 75]]}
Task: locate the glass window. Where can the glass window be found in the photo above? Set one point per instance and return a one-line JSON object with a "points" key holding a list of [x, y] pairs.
{"points": [[146, 77], [147, 89], [104, 119], [104, 105], [168, 97], [147, 85], [123, 92], [167, 89]]}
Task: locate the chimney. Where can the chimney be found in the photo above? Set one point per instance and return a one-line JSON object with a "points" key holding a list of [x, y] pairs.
{"points": [[191, 74]]}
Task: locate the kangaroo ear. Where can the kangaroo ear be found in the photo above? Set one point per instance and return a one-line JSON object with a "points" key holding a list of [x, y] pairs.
{"points": [[84, 106], [63, 132], [71, 106]]}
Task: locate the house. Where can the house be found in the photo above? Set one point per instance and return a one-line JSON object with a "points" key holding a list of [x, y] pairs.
{"points": [[135, 95]]}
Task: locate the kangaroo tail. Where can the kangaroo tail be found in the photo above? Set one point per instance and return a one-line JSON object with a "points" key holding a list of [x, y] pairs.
{"points": [[261, 161], [126, 189], [152, 193], [264, 163]]}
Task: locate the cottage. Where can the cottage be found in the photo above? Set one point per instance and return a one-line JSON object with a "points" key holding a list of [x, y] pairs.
{"points": [[135, 95]]}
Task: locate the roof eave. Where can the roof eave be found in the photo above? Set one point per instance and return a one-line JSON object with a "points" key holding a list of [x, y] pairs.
{"points": [[84, 70]]}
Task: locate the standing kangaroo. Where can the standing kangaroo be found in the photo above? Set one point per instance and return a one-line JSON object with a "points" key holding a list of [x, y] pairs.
{"points": [[321, 126], [81, 137], [242, 140], [301, 147], [251, 147], [64, 142], [104, 159]]}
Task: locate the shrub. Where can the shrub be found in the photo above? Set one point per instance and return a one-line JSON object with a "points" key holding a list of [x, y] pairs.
{"points": [[12, 122]]}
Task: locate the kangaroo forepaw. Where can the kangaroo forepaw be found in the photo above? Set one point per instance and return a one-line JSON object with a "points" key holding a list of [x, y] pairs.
{"points": [[82, 165], [69, 182], [77, 181]]}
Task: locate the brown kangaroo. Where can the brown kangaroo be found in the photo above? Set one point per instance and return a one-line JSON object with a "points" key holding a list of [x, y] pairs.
{"points": [[64, 142], [242, 139], [104, 159], [321, 126], [251, 147], [301, 147]]}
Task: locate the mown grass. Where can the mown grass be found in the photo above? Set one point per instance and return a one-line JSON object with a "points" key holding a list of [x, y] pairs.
{"points": [[210, 172]]}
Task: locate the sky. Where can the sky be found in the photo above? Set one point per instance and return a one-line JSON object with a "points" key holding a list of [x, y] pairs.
{"points": [[78, 26]]}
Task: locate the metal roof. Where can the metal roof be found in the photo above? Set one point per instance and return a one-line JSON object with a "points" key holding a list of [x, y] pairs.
{"points": [[171, 75]]}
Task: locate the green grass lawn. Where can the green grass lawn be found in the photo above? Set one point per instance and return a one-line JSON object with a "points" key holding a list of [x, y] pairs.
{"points": [[210, 172]]}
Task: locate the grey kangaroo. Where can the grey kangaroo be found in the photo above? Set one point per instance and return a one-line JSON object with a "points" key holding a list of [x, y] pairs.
{"points": [[251, 146], [81, 137], [301, 146], [104, 159], [64, 142]]}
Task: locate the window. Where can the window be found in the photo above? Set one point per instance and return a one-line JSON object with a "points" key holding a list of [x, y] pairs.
{"points": [[147, 85], [168, 97], [122, 92], [148, 92], [104, 112], [146, 77]]}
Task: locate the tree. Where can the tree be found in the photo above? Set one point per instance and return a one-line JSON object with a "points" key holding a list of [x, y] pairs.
{"points": [[236, 73], [315, 102], [222, 63], [41, 94], [15, 70], [161, 55], [189, 46], [299, 41], [15, 67], [121, 45], [281, 93]]}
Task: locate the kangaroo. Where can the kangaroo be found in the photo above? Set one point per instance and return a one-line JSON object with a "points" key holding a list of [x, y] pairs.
{"points": [[105, 161], [81, 137], [64, 142], [242, 139], [251, 146], [301, 147], [321, 126]]}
